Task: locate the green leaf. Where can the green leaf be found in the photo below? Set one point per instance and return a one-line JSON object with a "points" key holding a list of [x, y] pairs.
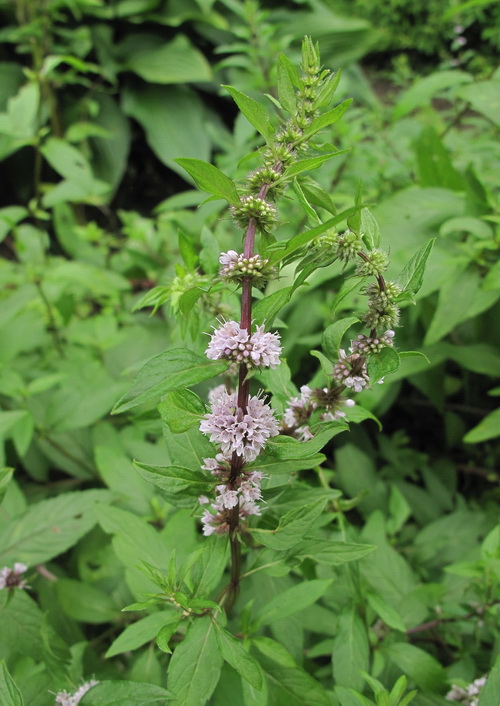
{"points": [[350, 654], [85, 603], [333, 335], [178, 367], [165, 635], [386, 611], [254, 112], [383, 363], [306, 165], [209, 178], [125, 693], [370, 229], [412, 275], [235, 654], [488, 428], [181, 410], [326, 119], [5, 478], [195, 666], [484, 96], [156, 109], [434, 164], [268, 307], [286, 93], [273, 466], [291, 601], [206, 565], [175, 479], [299, 241], [49, 527], [454, 303], [170, 62], [422, 91], [347, 286], [292, 526], [293, 686], [9, 693], [489, 692], [141, 632], [287, 448], [420, 666], [332, 553]]}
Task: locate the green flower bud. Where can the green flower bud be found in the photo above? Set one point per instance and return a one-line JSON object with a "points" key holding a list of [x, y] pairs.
{"points": [[348, 245], [387, 317], [253, 207], [377, 263]]}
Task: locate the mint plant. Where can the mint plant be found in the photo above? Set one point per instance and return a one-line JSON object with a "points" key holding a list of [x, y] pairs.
{"points": [[250, 438]]}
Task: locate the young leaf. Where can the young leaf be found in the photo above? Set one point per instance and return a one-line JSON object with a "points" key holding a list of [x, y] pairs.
{"points": [[348, 286], [291, 601], [286, 93], [370, 229], [181, 410], [235, 654], [488, 428], [326, 119], [166, 632], [306, 165], [208, 178], [285, 447], [9, 693], [195, 666], [268, 307], [125, 693], [175, 479], [141, 632], [383, 363], [178, 367], [254, 112], [412, 275], [333, 334], [312, 216]]}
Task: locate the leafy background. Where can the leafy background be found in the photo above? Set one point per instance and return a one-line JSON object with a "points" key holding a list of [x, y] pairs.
{"points": [[97, 100]]}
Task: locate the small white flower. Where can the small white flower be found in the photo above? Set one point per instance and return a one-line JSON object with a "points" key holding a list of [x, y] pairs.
{"points": [[63, 698], [231, 342], [11, 578]]}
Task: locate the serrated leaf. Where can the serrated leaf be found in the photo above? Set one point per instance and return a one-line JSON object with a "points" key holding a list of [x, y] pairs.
{"points": [[254, 112], [291, 601], [49, 528], [195, 666], [181, 410], [412, 274], [383, 363], [141, 632], [307, 165], [326, 119], [125, 693], [175, 479], [333, 335], [286, 93], [285, 447], [9, 693], [292, 526], [208, 178], [268, 307], [178, 367], [235, 654], [332, 553]]}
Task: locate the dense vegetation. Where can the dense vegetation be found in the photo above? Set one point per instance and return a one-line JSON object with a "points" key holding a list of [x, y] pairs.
{"points": [[372, 575]]}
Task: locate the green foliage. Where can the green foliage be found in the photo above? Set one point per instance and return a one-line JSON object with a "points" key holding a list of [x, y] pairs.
{"points": [[371, 576]]}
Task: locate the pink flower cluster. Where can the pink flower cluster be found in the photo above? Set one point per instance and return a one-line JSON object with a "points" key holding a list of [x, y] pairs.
{"points": [[244, 493], [351, 371], [65, 699], [365, 345], [299, 410], [236, 432], [257, 350], [11, 578]]}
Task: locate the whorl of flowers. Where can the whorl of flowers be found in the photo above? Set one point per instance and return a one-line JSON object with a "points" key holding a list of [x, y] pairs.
{"points": [[244, 492], [235, 266], [11, 578], [365, 345], [236, 432], [468, 696], [351, 371], [65, 699], [255, 208], [260, 349]]}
